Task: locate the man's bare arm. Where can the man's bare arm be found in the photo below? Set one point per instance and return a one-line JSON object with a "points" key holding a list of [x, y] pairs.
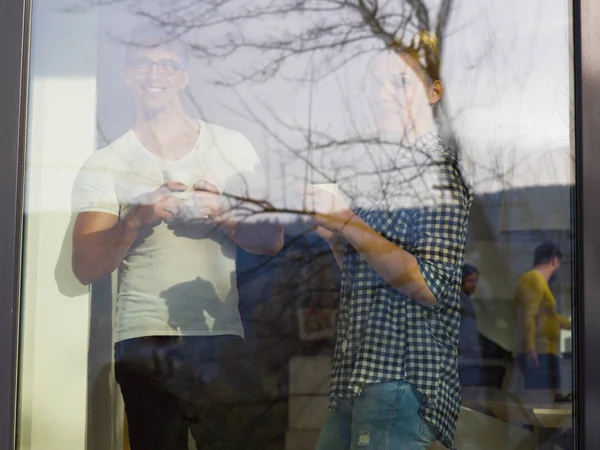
{"points": [[100, 243], [246, 226], [260, 238]]}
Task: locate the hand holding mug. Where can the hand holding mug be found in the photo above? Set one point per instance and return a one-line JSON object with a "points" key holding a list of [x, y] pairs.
{"points": [[207, 199], [181, 177], [328, 208], [158, 205]]}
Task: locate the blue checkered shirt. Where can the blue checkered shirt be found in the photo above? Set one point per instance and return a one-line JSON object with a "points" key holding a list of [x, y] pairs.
{"points": [[382, 335]]}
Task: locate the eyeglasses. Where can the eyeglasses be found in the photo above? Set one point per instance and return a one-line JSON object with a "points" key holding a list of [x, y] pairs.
{"points": [[165, 67]]}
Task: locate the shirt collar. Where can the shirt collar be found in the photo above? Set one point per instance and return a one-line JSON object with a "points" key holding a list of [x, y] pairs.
{"points": [[429, 144], [427, 140]]}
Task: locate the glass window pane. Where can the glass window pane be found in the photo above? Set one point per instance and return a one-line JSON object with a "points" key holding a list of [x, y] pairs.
{"points": [[269, 217]]}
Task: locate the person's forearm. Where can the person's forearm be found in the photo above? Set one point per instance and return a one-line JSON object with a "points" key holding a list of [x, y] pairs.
{"points": [[258, 238], [564, 322], [529, 329], [98, 254], [399, 268]]}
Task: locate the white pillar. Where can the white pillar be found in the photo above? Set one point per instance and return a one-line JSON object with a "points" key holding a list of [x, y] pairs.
{"points": [[55, 314]]}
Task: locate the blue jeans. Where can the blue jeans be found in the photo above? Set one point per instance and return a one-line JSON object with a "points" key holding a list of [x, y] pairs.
{"points": [[385, 416], [545, 376]]}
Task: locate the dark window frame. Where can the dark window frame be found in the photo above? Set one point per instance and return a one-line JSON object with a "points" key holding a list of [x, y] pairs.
{"points": [[14, 21], [586, 54]]}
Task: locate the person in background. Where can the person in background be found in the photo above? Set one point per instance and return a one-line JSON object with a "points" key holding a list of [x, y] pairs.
{"points": [[469, 341], [538, 322]]}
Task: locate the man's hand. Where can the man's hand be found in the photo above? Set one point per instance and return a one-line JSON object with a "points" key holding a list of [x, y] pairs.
{"points": [[157, 205], [532, 359], [207, 200]]}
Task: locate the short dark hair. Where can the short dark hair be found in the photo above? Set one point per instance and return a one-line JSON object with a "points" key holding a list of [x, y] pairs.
{"points": [[545, 252], [468, 269], [152, 36]]}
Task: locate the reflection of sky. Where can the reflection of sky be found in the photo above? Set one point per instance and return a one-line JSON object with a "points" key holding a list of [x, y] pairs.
{"points": [[506, 67], [516, 70], [516, 73]]}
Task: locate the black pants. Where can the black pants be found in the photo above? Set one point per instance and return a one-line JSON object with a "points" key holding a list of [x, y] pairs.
{"points": [[171, 385]]}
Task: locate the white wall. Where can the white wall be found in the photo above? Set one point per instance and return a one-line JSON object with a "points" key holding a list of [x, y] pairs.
{"points": [[61, 135]]}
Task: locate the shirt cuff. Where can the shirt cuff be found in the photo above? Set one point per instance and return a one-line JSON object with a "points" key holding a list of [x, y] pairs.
{"points": [[437, 284]]}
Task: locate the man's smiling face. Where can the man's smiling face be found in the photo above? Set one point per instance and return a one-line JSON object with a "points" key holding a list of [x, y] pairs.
{"points": [[156, 76]]}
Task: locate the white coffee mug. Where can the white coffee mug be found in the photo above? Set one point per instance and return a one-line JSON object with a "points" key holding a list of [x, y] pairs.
{"points": [[180, 176], [329, 187]]}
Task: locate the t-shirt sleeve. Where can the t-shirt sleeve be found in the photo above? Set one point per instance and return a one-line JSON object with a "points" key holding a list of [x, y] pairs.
{"points": [[248, 179], [248, 188], [94, 189]]}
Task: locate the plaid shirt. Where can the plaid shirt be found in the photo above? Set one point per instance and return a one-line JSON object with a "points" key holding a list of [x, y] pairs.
{"points": [[382, 335]]}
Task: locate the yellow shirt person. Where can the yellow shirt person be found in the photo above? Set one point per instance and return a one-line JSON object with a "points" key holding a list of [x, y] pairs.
{"points": [[538, 322]]}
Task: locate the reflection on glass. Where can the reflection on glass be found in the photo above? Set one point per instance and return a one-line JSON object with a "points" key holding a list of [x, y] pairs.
{"points": [[297, 210], [400, 256], [538, 323], [180, 358]]}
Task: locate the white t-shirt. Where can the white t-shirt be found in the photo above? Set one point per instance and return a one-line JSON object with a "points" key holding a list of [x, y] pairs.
{"points": [[173, 280]]}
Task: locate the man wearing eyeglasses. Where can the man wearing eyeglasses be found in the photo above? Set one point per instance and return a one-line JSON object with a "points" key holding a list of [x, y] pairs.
{"points": [[163, 205]]}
